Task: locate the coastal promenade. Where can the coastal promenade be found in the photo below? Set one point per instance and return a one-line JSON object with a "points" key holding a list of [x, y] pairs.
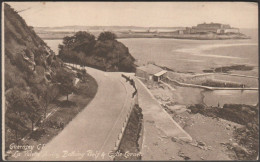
{"points": [[92, 134], [158, 124]]}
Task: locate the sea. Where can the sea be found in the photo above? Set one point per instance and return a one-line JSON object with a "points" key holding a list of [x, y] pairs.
{"points": [[185, 55]]}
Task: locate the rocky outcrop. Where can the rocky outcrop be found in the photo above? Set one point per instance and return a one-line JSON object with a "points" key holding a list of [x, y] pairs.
{"points": [[112, 55], [106, 54], [27, 57]]}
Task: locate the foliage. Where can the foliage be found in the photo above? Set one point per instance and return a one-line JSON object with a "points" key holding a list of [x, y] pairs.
{"points": [[28, 62], [22, 64], [80, 42], [31, 102], [13, 78], [22, 106], [68, 41], [15, 123], [36, 135], [84, 42], [49, 94], [105, 53], [15, 99], [106, 36], [64, 79]]}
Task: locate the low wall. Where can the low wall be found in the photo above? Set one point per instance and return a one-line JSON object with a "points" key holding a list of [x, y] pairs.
{"points": [[133, 101], [250, 81], [206, 87]]}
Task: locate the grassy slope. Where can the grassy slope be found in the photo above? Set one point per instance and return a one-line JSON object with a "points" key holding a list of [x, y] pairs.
{"points": [[65, 113]]}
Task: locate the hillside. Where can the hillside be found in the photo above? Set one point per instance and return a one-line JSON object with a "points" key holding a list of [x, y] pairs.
{"points": [[31, 80], [28, 60], [30, 75], [38, 87]]}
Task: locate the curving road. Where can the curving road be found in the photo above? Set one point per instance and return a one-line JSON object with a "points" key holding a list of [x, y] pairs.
{"points": [[92, 134]]}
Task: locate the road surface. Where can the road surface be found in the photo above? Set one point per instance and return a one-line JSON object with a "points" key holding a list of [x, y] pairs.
{"points": [[92, 134]]}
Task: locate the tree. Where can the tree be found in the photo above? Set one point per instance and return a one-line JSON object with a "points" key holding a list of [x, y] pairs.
{"points": [[16, 102], [49, 94], [13, 76], [80, 58], [106, 36], [65, 79], [60, 47], [25, 105], [32, 110], [84, 42], [82, 36], [68, 41], [14, 122], [75, 48], [21, 106], [33, 116]]}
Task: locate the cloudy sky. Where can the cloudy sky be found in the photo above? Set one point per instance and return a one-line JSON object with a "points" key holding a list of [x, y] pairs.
{"points": [[147, 14]]}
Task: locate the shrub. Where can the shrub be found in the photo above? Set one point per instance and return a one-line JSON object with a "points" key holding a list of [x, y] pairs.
{"points": [[106, 36]]}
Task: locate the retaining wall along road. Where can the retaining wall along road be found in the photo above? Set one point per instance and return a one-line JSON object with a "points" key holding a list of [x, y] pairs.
{"points": [[133, 102]]}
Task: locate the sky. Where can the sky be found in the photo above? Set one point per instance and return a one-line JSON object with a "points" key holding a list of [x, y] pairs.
{"points": [[146, 14]]}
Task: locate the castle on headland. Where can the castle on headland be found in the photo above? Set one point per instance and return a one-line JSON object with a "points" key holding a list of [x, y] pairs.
{"points": [[209, 28]]}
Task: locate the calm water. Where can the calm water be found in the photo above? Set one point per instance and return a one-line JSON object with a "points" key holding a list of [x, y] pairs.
{"points": [[189, 96], [195, 56], [212, 98], [53, 44]]}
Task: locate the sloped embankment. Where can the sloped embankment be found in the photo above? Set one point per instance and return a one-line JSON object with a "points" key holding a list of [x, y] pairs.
{"points": [[37, 84], [30, 66], [129, 148]]}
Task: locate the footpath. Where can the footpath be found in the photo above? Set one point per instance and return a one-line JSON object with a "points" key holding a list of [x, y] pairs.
{"points": [[159, 127]]}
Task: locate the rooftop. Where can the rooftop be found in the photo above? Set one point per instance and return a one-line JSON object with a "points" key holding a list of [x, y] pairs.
{"points": [[150, 68], [160, 73]]}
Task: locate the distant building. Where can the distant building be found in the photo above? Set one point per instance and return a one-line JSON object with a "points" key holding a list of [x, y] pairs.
{"points": [[232, 30], [151, 72], [181, 32], [210, 28]]}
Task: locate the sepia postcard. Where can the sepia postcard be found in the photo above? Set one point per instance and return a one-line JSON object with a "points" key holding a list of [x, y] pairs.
{"points": [[110, 81]]}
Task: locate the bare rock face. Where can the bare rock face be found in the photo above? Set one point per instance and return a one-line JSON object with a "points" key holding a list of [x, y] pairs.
{"points": [[27, 57]]}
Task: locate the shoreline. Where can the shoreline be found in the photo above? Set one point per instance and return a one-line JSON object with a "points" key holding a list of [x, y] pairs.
{"points": [[160, 37], [191, 122], [58, 35], [187, 38]]}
